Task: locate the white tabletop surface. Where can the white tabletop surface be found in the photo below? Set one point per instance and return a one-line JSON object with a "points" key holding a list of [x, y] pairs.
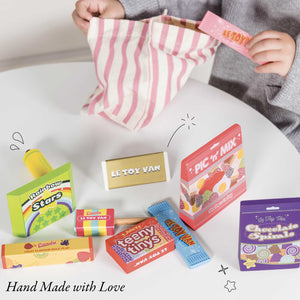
{"points": [[43, 104]]}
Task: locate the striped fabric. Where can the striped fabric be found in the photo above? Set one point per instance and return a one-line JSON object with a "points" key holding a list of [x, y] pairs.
{"points": [[141, 65]]}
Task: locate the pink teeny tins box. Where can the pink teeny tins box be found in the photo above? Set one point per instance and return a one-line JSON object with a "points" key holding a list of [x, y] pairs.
{"points": [[212, 177], [269, 234]]}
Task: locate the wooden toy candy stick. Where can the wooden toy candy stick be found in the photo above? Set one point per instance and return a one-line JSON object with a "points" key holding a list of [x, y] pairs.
{"points": [[129, 221]]}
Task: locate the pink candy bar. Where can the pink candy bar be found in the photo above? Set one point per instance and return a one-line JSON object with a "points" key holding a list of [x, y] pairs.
{"points": [[225, 32]]}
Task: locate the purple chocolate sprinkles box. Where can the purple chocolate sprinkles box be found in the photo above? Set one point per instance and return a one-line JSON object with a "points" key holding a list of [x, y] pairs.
{"points": [[269, 234]]}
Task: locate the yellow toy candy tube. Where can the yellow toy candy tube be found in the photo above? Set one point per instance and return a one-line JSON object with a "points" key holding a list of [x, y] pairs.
{"points": [[36, 163]]}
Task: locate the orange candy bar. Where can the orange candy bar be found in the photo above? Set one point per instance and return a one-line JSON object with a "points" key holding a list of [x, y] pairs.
{"points": [[47, 253]]}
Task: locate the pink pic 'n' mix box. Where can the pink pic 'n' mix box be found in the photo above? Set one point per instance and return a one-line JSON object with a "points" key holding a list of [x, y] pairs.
{"points": [[212, 177], [225, 32]]}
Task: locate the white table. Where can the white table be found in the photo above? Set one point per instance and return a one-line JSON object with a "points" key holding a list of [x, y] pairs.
{"points": [[43, 103]]}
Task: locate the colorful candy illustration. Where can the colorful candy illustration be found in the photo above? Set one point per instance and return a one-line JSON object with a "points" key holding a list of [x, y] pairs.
{"points": [[271, 254], [248, 249], [212, 185], [292, 250], [65, 243]]}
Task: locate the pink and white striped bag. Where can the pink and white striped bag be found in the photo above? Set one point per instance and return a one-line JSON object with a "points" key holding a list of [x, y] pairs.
{"points": [[141, 65]]}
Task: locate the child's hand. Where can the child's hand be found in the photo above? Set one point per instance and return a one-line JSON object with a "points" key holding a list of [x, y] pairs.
{"points": [[86, 9], [276, 48]]}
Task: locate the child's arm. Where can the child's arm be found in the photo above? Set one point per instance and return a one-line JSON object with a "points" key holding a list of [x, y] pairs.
{"points": [[276, 48], [189, 9], [140, 9]]}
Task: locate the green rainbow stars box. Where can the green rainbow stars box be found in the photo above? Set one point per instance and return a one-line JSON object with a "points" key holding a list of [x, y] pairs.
{"points": [[42, 202]]}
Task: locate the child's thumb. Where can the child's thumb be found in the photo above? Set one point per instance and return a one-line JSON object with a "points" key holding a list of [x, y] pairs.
{"points": [[108, 13], [113, 12]]}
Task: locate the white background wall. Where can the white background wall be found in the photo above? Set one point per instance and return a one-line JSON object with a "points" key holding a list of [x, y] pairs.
{"points": [[37, 31], [40, 31]]}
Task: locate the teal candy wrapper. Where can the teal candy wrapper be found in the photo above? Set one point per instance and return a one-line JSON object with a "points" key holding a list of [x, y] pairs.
{"points": [[188, 247]]}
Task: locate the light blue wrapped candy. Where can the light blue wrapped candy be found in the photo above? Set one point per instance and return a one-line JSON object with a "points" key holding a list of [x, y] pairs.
{"points": [[185, 243]]}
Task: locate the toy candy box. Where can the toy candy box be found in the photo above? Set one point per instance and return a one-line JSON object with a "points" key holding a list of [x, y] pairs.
{"points": [[140, 245], [212, 177], [47, 253], [43, 201], [269, 234], [225, 32], [91, 222], [134, 170]]}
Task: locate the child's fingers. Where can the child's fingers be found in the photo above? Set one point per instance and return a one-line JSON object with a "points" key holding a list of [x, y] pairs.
{"points": [[269, 55], [273, 67], [82, 8], [268, 34], [280, 58], [264, 45], [81, 23]]}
